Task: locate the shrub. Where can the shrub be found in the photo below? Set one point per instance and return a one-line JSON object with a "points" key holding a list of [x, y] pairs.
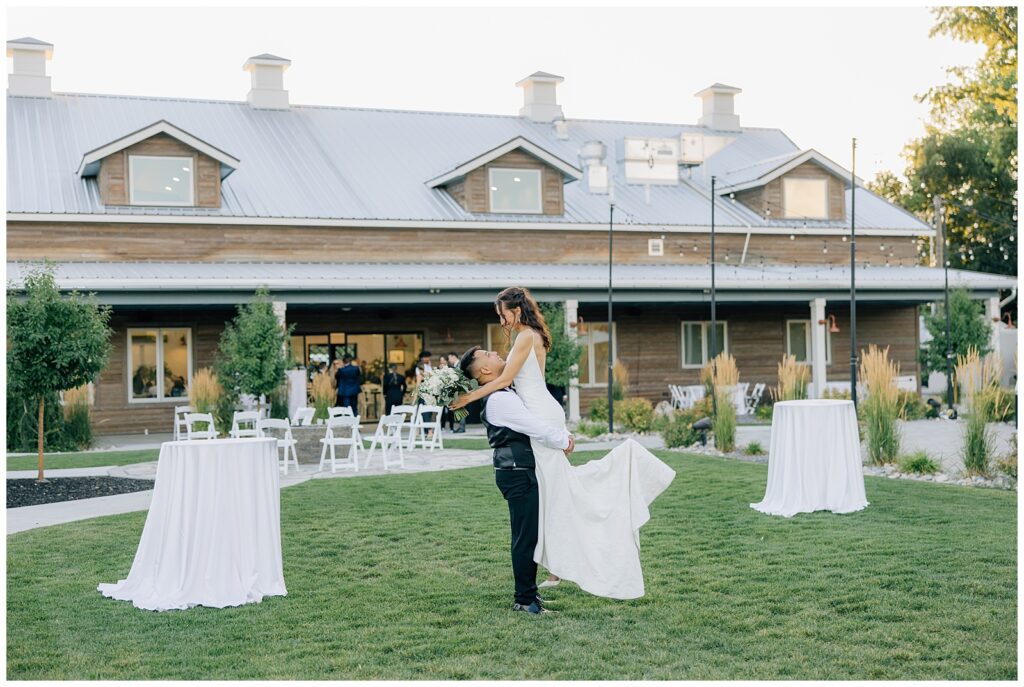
{"points": [[919, 463], [754, 448], [677, 431], [637, 414], [599, 410], [881, 407], [840, 394], [1008, 463], [591, 429], [912, 406], [279, 403], [77, 422], [764, 411]]}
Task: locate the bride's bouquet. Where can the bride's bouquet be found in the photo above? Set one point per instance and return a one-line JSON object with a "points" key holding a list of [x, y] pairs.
{"points": [[442, 386]]}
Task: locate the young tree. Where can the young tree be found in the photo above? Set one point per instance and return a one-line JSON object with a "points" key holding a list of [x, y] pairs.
{"points": [[564, 351], [54, 342], [251, 356], [967, 329]]}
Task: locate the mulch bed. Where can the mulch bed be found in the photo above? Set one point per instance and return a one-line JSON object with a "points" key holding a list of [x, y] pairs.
{"points": [[28, 492]]}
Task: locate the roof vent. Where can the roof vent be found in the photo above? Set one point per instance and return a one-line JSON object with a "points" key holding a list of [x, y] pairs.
{"points": [[719, 110], [595, 171], [267, 91], [539, 102], [29, 75]]}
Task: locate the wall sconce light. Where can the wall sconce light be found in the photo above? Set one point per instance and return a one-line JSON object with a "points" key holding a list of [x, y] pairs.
{"points": [[834, 329]]}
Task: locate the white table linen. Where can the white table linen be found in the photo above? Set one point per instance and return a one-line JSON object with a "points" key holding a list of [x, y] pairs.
{"points": [[296, 391], [814, 461], [213, 533]]}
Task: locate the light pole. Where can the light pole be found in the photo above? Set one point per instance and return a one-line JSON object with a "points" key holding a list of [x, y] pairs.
{"points": [[714, 333], [940, 230], [853, 280], [611, 357]]}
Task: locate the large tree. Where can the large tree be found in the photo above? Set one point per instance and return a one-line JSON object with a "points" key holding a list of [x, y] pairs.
{"points": [[54, 342], [968, 155]]}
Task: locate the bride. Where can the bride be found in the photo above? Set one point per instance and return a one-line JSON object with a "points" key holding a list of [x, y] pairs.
{"points": [[591, 514]]}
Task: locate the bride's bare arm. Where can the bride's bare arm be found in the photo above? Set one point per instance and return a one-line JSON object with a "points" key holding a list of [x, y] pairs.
{"points": [[516, 357]]}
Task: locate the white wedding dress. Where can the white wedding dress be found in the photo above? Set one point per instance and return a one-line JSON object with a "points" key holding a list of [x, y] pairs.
{"points": [[591, 514]]}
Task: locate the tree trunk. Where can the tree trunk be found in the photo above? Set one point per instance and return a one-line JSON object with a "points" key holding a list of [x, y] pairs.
{"points": [[40, 478]]}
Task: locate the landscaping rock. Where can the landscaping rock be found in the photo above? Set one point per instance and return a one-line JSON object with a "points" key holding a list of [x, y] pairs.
{"points": [[28, 492]]}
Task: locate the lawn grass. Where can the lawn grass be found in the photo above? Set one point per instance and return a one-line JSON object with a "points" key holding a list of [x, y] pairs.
{"points": [[408, 577], [469, 444], [90, 459]]}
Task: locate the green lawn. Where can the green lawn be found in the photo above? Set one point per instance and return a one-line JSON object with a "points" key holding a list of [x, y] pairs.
{"points": [[470, 443], [90, 459], [408, 577]]}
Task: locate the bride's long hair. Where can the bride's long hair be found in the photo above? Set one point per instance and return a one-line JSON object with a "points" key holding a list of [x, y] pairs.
{"points": [[530, 314]]}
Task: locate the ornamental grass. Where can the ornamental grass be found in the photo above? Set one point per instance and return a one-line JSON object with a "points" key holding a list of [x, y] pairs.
{"points": [[978, 381], [725, 376], [882, 406], [323, 394], [793, 379]]}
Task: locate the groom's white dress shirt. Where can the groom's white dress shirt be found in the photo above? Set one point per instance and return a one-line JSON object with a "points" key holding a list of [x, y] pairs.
{"points": [[506, 409]]}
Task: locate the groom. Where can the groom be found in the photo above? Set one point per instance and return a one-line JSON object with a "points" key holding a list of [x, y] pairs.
{"points": [[509, 428]]}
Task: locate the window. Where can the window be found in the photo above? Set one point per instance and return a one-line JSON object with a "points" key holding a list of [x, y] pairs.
{"points": [[805, 198], [594, 360], [697, 342], [656, 247], [514, 190], [150, 350], [160, 180], [798, 341]]}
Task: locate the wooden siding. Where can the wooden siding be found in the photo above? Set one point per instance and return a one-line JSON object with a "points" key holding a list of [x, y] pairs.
{"points": [[769, 196], [648, 343], [212, 243], [472, 191], [113, 176]]}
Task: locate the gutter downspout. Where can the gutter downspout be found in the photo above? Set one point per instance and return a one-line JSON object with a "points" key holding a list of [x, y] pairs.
{"points": [[1013, 294]]}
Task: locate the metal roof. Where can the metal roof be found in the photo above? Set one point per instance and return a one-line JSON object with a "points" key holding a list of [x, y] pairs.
{"points": [[335, 163], [247, 276]]}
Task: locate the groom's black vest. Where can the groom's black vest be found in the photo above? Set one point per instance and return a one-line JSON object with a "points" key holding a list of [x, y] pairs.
{"points": [[511, 449]]}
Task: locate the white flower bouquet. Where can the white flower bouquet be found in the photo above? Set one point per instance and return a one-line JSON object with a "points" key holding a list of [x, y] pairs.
{"points": [[442, 386]]}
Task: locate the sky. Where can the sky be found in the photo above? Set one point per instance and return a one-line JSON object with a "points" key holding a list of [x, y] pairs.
{"points": [[822, 75]]}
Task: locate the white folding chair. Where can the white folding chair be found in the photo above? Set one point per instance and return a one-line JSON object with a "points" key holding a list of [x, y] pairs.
{"points": [[755, 397], [191, 419], [421, 426], [285, 443], [388, 435], [244, 424], [341, 425], [179, 420], [304, 417], [336, 411], [408, 416]]}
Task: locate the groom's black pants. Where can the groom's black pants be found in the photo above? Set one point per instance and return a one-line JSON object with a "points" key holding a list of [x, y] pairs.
{"points": [[519, 487]]}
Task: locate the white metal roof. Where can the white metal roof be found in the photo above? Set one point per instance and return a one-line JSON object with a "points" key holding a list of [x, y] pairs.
{"points": [[350, 164], [247, 276]]}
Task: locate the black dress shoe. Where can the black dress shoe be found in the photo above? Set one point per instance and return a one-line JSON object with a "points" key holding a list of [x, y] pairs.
{"points": [[535, 608]]}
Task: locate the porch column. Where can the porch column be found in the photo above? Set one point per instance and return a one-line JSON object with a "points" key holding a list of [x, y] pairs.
{"points": [[817, 352], [571, 312], [992, 318], [280, 308]]}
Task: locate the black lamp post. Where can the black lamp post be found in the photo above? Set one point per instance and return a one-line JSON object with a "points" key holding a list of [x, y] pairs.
{"points": [[611, 356], [714, 327], [853, 280], [940, 230]]}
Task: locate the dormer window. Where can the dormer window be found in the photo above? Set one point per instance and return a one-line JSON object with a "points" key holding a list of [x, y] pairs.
{"points": [[804, 198], [515, 190], [160, 180]]}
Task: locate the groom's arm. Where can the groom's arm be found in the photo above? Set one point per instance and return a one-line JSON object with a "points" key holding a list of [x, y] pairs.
{"points": [[506, 409]]}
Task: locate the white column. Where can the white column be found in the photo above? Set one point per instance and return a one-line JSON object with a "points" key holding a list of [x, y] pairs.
{"points": [[817, 352], [992, 317], [571, 310]]}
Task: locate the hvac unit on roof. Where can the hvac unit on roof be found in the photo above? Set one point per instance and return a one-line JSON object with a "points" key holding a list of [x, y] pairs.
{"points": [[695, 148], [651, 160]]}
